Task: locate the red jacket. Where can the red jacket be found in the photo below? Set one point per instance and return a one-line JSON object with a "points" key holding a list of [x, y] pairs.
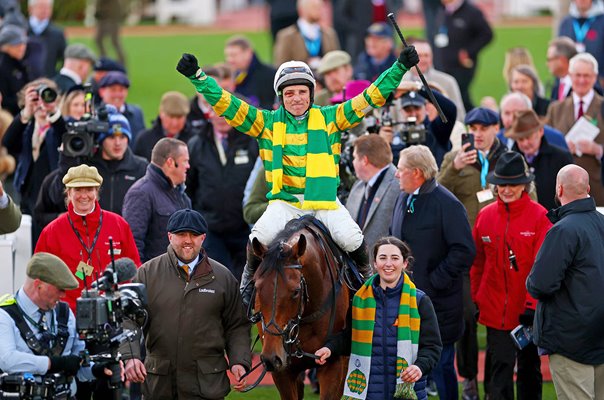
{"points": [[498, 289], [59, 238]]}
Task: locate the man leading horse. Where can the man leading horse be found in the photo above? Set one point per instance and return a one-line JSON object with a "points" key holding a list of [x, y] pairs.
{"points": [[300, 146]]}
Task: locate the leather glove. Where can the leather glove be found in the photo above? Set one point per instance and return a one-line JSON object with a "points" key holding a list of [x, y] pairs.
{"points": [[68, 364], [408, 57], [527, 317], [98, 369], [187, 65]]}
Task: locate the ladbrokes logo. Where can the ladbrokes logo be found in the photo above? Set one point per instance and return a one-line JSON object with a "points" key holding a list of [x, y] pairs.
{"points": [[204, 290]]}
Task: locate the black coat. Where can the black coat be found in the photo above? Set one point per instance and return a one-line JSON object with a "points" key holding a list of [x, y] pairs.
{"points": [[545, 166], [53, 43], [118, 177], [439, 234], [148, 205], [216, 190], [13, 76], [567, 279], [64, 82], [257, 86], [146, 139]]}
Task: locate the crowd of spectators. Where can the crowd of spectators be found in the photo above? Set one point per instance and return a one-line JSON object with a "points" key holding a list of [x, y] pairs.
{"points": [[429, 174]]}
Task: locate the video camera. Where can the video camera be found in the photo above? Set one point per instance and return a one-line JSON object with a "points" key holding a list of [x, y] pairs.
{"points": [[80, 138], [27, 386], [409, 132], [101, 310]]}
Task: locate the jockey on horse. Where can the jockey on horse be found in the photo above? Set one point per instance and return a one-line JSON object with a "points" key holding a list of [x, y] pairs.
{"points": [[300, 147]]}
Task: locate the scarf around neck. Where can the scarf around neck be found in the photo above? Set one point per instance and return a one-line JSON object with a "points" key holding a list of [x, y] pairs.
{"points": [[363, 323], [321, 174]]}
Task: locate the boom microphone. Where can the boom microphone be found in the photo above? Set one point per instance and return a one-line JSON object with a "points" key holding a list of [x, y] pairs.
{"points": [[125, 269]]}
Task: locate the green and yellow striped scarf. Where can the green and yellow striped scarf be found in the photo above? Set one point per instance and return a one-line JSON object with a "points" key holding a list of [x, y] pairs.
{"points": [[363, 322], [321, 174]]}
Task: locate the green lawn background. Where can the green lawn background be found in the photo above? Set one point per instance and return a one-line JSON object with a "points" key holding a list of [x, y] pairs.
{"points": [[152, 60]]}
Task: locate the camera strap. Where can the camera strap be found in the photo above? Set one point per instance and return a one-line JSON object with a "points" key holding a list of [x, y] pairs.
{"points": [[30, 338], [96, 235]]}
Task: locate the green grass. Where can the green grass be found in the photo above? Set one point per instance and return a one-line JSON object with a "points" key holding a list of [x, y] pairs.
{"points": [[152, 60], [270, 393]]}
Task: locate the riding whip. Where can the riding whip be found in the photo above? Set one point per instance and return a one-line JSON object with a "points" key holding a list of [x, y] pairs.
{"points": [[419, 73]]}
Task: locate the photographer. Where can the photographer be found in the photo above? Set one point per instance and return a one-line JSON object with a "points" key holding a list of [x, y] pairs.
{"points": [[508, 234], [33, 138], [36, 309], [413, 126]]}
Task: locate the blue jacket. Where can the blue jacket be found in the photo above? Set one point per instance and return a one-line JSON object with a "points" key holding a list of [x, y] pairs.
{"points": [[567, 278], [438, 232], [382, 377], [148, 205]]}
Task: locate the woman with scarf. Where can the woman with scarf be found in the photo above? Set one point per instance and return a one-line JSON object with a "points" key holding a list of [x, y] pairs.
{"points": [[395, 337]]}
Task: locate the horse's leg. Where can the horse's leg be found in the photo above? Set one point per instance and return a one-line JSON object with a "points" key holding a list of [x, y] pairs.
{"points": [[331, 378], [288, 384]]}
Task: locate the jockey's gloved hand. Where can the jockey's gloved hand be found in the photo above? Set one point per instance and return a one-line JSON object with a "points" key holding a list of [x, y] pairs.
{"points": [[408, 57], [188, 65]]}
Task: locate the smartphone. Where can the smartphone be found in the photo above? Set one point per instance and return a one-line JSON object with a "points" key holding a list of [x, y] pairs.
{"points": [[467, 138]]}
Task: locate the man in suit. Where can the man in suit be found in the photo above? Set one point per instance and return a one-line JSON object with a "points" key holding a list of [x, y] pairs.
{"points": [[372, 197], [306, 40], [584, 101], [559, 52]]}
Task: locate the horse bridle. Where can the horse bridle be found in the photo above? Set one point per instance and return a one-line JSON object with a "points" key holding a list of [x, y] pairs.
{"points": [[289, 334]]}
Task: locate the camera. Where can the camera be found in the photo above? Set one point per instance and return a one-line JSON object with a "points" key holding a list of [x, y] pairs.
{"points": [[101, 310], [80, 138], [412, 133], [522, 336], [46, 93], [34, 387]]}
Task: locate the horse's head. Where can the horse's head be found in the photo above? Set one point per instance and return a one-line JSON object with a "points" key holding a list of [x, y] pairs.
{"points": [[280, 298]]}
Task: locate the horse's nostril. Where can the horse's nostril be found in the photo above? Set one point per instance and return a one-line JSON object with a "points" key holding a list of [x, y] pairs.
{"points": [[277, 362], [268, 365]]}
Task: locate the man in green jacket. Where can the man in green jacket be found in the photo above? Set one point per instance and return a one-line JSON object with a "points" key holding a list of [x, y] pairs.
{"points": [[10, 215], [300, 146]]}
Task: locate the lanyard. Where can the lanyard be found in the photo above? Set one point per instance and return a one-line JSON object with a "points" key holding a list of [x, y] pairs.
{"points": [[581, 30], [96, 236], [41, 327], [484, 162]]}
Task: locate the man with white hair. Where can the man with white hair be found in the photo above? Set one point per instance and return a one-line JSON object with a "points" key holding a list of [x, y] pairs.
{"points": [[513, 103], [583, 102]]}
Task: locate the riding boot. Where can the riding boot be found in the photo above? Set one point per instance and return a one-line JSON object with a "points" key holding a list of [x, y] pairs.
{"points": [[361, 260], [247, 286]]}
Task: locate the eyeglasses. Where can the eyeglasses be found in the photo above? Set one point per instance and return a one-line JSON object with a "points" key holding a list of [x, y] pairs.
{"points": [[291, 70]]}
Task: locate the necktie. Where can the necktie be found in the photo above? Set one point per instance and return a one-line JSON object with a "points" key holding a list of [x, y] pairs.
{"points": [[580, 113], [561, 91], [225, 143], [411, 204], [46, 336], [185, 268], [364, 207]]}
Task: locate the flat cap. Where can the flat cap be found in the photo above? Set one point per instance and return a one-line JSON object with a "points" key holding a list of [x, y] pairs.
{"points": [[12, 35], [483, 116], [332, 60], [107, 65], [79, 52], [82, 176], [174, 104], [114, 78], [52, 270], [412, 99], [380, 29], [187, 220]]}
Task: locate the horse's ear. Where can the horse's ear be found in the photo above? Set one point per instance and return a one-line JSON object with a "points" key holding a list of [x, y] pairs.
{"points": [[300, 247], [258, 248]]}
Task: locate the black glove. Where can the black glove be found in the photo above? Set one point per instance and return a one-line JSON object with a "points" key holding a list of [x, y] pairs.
{"points": [[408, 57], [527, 317], [98, 369], [187, 65], [68, 364]]}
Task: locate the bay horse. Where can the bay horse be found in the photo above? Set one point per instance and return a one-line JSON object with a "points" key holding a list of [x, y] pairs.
{"points": [[301, 299]]}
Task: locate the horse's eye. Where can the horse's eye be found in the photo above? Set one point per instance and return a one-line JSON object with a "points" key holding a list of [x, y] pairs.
{"points": [[296, 293]]}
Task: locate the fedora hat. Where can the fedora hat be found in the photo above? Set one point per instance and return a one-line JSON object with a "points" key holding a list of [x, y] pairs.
{"points": [[525, 123], [510, 170]]}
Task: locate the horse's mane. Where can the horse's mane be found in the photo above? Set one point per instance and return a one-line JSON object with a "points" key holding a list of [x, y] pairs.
{"points": [[276, 253]]}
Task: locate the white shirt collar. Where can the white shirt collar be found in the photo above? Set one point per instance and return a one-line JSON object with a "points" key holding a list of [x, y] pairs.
{"points": [[587, 99], [374, 178], [67, 72], [308, 30], [191, 264]]}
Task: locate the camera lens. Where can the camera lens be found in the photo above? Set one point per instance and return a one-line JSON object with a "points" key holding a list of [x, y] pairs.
{"points": [[47, 94], [77, 144]]}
